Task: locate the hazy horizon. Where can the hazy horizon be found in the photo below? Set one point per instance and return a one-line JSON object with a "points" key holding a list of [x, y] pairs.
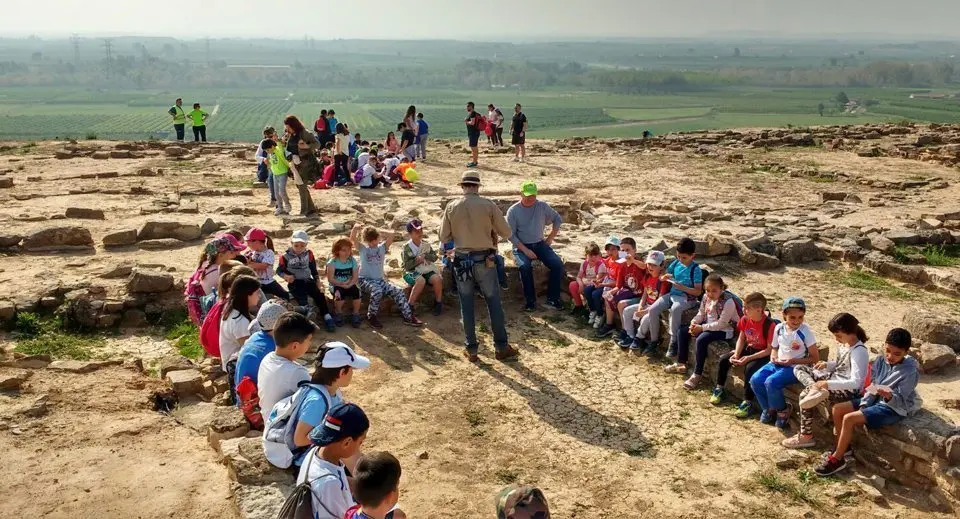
{"points": [[495, 20]]}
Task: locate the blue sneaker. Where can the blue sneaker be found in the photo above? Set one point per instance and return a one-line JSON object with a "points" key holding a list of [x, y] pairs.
{"points": [[672, 350], [338, 320], [768, 416], [329, 324], [636, 344], [624, 341]]}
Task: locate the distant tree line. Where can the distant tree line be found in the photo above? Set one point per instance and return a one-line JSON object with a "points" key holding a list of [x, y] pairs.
{"points": [[143, 71]]}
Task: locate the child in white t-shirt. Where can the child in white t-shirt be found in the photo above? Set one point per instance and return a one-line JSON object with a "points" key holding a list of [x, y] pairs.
{"points": [[261, 258], [794, 344], [279, 374]]}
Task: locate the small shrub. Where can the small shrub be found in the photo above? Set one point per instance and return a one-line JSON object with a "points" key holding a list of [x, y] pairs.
{"points": [[186, 338], [28, 324], [61, 345], [91, 136]]}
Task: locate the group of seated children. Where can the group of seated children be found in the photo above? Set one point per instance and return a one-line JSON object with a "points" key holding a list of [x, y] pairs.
{"points": [[367, 167], [773, 354]]}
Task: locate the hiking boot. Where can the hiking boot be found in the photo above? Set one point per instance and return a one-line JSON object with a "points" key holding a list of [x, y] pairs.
{"points": [[783, 417], [338, 320], [744, 410], [605, 331], [437, 308], [553, 305], [508, 353], [830, 466], [813, 398], [717, 396], [374, 322], [472, 357], [356, 321], [768, 416], [412, 321]]}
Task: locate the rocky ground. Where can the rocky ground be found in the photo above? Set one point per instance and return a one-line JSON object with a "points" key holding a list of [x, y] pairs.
{"points": [[108, 232]]}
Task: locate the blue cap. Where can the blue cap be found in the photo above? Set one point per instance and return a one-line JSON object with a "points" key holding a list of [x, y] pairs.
{"points": [[794, 302], [343, 421], [612, 240]]}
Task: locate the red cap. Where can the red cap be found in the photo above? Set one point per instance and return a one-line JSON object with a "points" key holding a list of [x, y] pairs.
{"points": [[255, 234]]}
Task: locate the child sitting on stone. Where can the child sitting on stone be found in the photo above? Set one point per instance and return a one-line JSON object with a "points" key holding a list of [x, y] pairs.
{"points": [[890, 396], [373, 255], [419, 263]]}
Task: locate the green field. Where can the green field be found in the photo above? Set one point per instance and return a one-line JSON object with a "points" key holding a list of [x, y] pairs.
{"points": [[46, 113]]}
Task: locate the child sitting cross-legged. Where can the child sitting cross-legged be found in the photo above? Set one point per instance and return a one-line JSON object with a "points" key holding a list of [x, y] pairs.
{"points": [[419, 262], [714, 322], [890, 396], [342, 274], [840, 380], [756, 330], [376, 488], [794, 344], [373, 254]]}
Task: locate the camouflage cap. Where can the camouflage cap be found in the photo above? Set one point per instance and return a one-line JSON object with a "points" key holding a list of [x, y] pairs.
{"points": [[522, 502]]}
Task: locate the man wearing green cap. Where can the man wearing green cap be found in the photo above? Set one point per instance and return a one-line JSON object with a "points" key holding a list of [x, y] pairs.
{"points": [[527, 219], [473, 223]]}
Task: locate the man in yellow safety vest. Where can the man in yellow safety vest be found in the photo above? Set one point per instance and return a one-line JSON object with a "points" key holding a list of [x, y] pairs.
{"points": [[179, 118]]}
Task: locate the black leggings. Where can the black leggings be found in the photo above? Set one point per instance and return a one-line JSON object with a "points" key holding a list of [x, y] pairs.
{"points": [[703, 340], [748, 370], [341, 171], [200, 133], [499, 133], [274, 289], [301, 289]]}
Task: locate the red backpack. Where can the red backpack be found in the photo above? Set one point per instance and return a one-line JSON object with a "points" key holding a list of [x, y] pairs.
{"points": [[481, 123], [210, 330], [250, 402]]}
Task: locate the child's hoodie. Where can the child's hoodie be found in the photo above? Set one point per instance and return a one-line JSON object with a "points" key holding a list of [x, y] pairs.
{"points": [[902, 379]]}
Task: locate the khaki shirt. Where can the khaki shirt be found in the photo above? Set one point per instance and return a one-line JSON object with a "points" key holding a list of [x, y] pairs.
{"points": [[471, 222]]}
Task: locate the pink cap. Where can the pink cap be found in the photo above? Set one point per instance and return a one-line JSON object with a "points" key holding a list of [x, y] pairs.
{"points": [[255, 234]]}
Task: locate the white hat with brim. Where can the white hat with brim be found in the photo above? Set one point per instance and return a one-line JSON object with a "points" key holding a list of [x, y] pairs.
{"points": [[339, 355]]}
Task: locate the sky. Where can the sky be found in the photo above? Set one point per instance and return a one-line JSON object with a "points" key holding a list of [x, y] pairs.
{"points": [[514, 20]]}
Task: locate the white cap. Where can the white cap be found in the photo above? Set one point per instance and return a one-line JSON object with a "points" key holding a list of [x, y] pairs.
{"points": [[656, 257], [268, 315], [300, 236], [339, 355]]}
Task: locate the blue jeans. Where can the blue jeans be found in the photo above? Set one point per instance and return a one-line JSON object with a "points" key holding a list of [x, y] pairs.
{"points": [[594, 298], [179, 128], [501, 270], [550, 260], [486, 279], [768, 384]]}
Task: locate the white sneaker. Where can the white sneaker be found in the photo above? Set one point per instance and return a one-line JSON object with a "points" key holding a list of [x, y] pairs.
{"points": [[516, 159], [593, 315], [813, 398], [599, 322], [521, 159]]}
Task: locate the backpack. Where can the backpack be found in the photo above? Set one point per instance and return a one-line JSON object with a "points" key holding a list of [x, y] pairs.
{"points": [[481, 123], [193, 293], [799, 334], [693, 266], [299, 504], [250, 402], [737, 302], [767, 321], [210, 330], [278, 446]]}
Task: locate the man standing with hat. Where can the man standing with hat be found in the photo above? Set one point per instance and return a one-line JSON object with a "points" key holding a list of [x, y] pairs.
{"points": [[473, 223], [527, 218]]}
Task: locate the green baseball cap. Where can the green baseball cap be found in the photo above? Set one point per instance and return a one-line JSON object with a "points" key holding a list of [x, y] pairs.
{"points": [[528, 188]]}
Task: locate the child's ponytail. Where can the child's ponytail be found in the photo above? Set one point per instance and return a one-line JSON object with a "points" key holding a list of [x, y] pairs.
{"points": [[847, 323], [269, 243]]}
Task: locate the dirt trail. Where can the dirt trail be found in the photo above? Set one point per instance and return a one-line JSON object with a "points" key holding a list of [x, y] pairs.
{"points": [[100, 451]]}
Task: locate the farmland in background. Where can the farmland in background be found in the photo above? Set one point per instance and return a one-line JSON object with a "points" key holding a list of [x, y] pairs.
{"points": [[241, 114]]}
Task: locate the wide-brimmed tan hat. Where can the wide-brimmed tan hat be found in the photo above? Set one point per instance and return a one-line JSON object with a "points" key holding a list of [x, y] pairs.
{"points": [[469, 178]]}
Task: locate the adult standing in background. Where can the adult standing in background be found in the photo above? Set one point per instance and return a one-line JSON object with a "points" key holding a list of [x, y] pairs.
{"points": [[198, 120], [408, 136], [527, 218], [495, 118], [320, 128], [332, 123], [472, 223], [518, 132], [179, 118], [473, 133], [301, 148], [423, 135]]}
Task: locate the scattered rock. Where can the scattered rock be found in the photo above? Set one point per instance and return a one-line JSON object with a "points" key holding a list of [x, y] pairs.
{"points": [[423, 455], [133, 318], [84, 213], [209, 227], [37, 408], [122, 238], [796, 252], [121, 154], [929, 224], [6, 182], [934, 357], [882, 244], [174, 363], [175, 151], [219, 423], [904, 237], [162, 244], [875, 495], [14, 380], [10, 240], [55, 239], [932, 328], [147, 282], [248, 465], [186, 382], [82, 366], [100, 155], [792, 459], [832, 196], [177, 230]]}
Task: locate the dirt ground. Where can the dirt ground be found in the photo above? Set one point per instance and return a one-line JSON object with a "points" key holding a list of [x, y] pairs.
{"points": [[597, 429]]}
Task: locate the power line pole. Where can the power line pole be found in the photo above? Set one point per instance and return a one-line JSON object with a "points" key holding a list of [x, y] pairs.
{"points": [[75, 40], [108, 52]]}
